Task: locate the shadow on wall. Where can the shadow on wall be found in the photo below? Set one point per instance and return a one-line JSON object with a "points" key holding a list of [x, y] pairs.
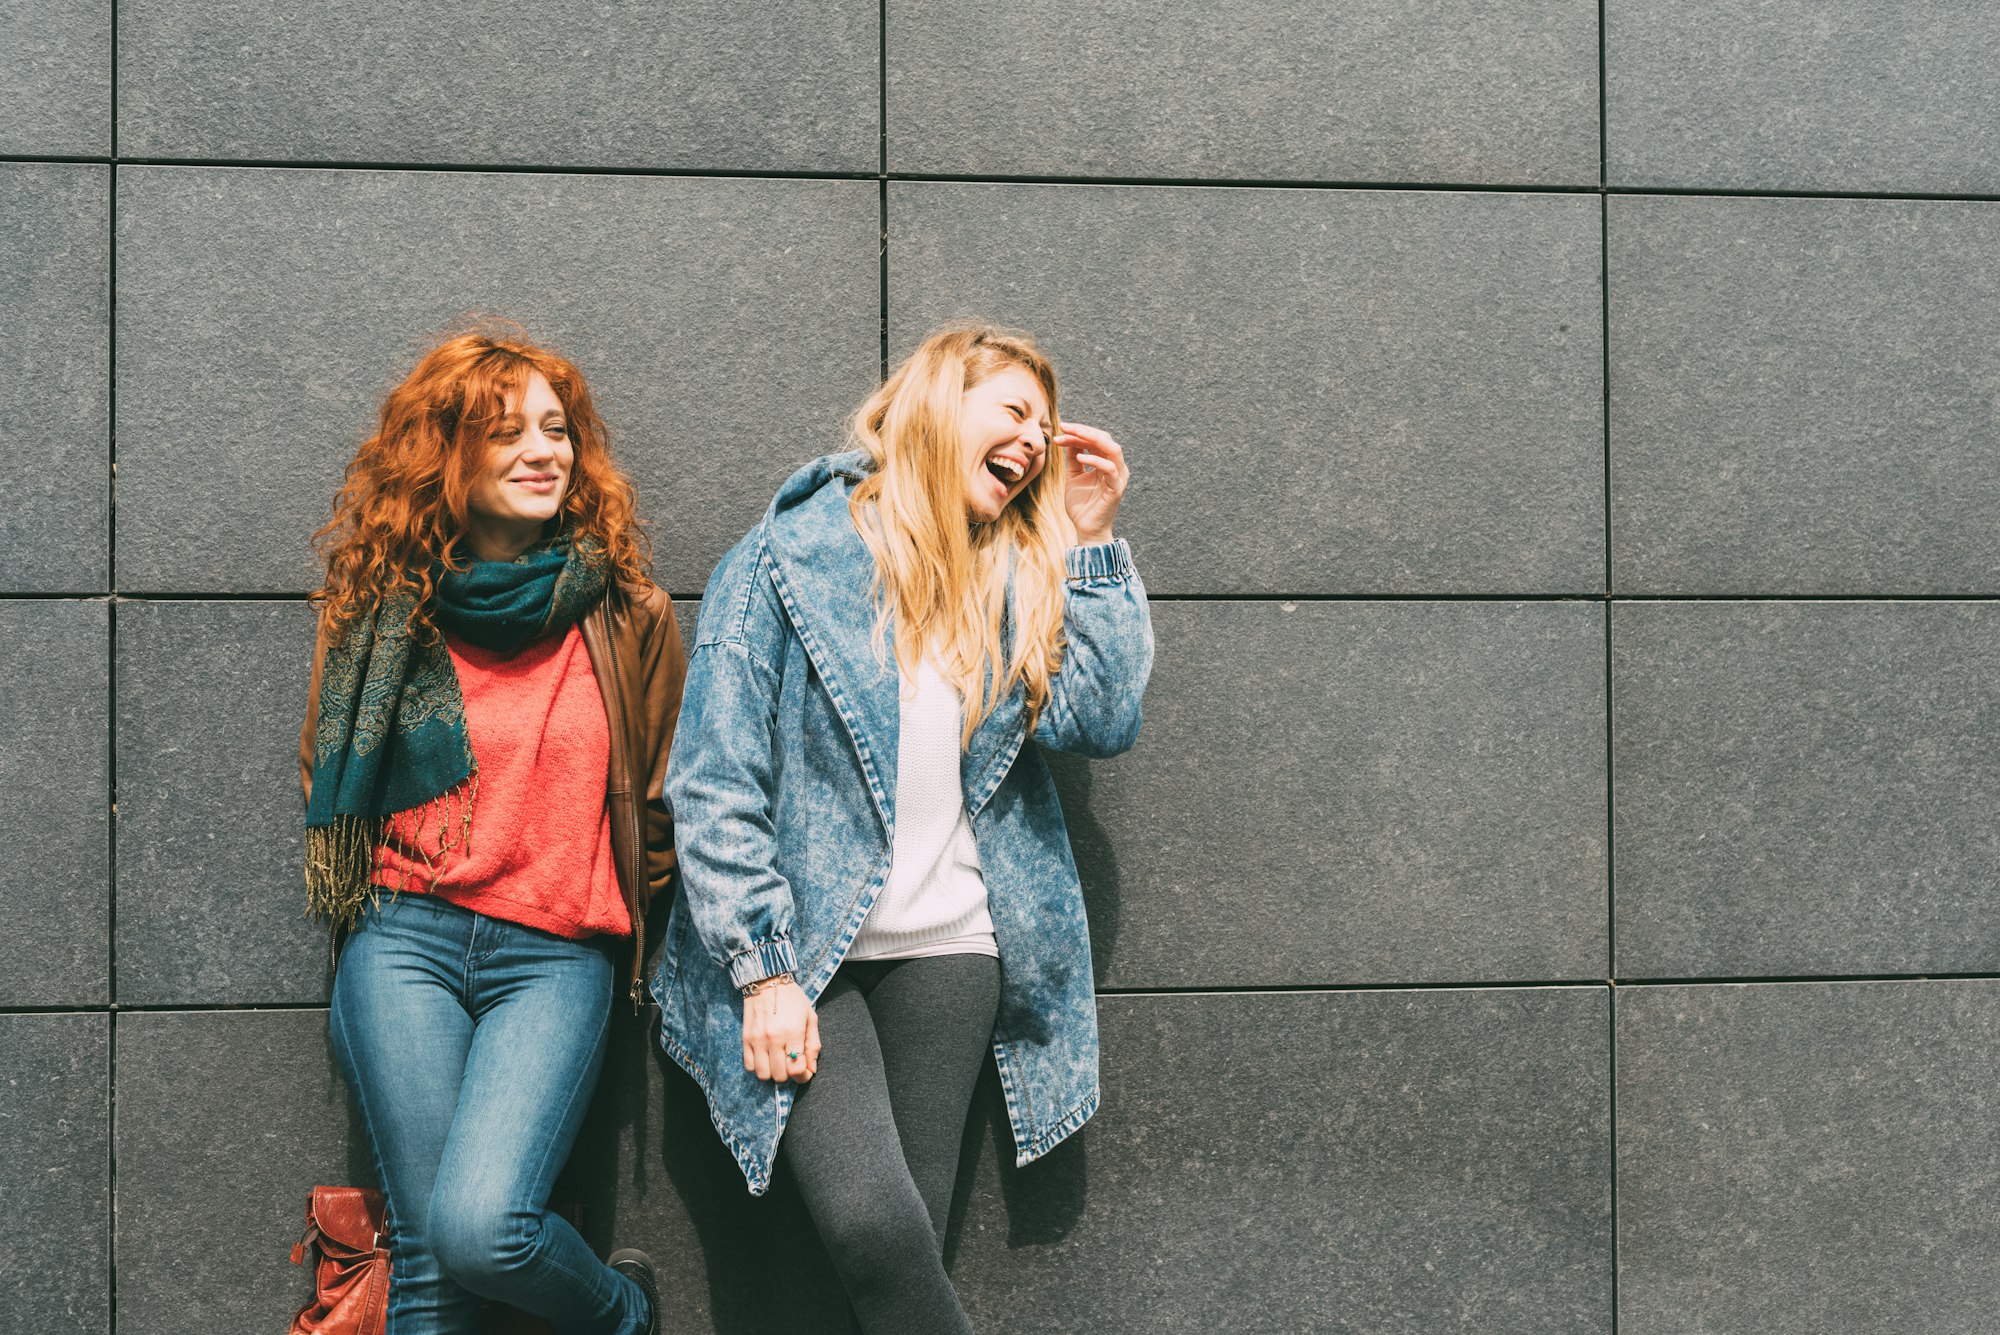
{"points": [[1096, 860], [757, 1260], [1043, 1201]]}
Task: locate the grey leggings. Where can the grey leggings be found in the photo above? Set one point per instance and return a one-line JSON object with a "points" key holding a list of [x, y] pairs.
{"points": [[874, 1138]]}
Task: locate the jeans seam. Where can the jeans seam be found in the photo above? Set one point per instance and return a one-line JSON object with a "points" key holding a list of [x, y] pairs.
{"points": [[541, 1232]]}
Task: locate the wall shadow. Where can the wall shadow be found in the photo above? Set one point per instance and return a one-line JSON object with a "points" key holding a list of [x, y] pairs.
{"points": [[1043, 1201], [653, 1173], [765, 1267], [1096, 859]]}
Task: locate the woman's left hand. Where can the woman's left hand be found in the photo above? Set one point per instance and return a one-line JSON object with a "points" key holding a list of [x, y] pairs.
{"points": [[1096, 482]]}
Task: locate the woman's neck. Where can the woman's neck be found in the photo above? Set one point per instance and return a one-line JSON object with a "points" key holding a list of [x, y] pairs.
{"points": [[491, 540]]}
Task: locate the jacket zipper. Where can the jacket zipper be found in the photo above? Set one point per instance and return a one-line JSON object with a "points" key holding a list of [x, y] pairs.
{"points": [[635, 846]]}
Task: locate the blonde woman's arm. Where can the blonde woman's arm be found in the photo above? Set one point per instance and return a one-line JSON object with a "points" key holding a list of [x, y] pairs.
{"points": [[1094, 700]]}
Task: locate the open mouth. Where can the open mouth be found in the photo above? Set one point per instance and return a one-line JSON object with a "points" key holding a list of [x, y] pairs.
{"points": [[1006, 468]]}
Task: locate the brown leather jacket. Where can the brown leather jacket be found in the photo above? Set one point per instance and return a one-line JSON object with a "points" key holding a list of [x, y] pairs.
{"points": [[635, 652]]}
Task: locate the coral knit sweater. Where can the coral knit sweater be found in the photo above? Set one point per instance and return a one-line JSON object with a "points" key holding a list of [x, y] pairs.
{"points": [[540, 848]]}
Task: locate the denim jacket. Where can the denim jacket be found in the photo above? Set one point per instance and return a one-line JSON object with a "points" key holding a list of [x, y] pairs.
{"points": [[782, 783]]}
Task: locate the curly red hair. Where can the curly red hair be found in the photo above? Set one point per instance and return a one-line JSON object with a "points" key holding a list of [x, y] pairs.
{"points": [[403, 507]]}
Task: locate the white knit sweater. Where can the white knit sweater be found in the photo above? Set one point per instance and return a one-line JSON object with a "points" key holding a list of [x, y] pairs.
{"points": [[935, 899]]}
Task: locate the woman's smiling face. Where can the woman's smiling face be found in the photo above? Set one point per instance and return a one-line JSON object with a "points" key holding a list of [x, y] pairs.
{"points": [[527, 464], [1005, 430]]}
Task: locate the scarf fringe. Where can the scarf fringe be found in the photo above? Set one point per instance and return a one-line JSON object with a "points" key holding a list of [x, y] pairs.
{"points": [[340, 862], [342, 858]]}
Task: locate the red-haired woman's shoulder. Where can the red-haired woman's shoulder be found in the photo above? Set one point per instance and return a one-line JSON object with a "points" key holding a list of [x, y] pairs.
{"points": [[644, 601]]}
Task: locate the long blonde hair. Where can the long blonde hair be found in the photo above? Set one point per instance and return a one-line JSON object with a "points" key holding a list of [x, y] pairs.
{"points": [[943, 579]]}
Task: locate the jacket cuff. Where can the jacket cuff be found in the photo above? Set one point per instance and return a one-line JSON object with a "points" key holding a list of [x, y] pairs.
{"points": [[1100, 562], [765, 961]]}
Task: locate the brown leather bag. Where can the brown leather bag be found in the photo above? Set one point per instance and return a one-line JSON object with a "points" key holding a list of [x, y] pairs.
{"points": [[345, 1226]]}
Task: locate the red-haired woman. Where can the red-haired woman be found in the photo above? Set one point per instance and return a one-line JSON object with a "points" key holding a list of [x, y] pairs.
{"points": [[493, 696]]}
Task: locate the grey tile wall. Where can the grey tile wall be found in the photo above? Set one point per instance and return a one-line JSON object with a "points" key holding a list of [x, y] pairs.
{"points": [[1806, 787], [55, 803], [55, 78], [1802, 396], [1453, 469], [1859, 95], [55, 364], [782, 86], [727, 327], [211, 880], [1371, 90], [55, 1178], [1393, 1162], [1802, 1158], [1321, 392], [1354, 792], [226, 1122]]}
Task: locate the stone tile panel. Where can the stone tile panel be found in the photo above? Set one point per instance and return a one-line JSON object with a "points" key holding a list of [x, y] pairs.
{"points": [[1808, 1159], [55, 1178], [55, 373], [1319, 391], [55, 79], [55, 803], [1805, 787], [726, 326], [780, 86], [1802, 396], [1270, 89], [211, 871], [1853, 95], [1351, 793], [226, 1122], [1400, 1163]]}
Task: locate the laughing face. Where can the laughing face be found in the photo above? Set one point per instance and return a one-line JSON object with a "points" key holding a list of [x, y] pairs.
{"points": [[1005, 428]]}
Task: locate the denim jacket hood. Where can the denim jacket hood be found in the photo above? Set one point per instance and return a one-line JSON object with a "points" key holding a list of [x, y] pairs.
{"points": [[782, 784]]}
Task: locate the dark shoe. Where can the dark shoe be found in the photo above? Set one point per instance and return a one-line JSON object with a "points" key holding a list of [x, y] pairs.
{"points": [[636, 1266]]}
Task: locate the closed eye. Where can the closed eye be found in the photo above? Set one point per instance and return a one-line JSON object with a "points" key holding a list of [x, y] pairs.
{"points": [[1020, 411]]}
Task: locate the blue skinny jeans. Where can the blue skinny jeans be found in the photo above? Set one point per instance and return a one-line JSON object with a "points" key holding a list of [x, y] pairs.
{"points": [[473, 1046]]}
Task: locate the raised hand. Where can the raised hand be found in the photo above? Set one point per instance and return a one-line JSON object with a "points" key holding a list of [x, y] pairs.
{"points": [[1096, 480]]}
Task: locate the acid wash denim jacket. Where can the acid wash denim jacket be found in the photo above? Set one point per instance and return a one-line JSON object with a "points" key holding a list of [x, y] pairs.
{"points": [[782, 783]]}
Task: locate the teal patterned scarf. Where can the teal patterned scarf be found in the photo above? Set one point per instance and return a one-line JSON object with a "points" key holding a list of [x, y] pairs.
{"points": [[391, 735]]}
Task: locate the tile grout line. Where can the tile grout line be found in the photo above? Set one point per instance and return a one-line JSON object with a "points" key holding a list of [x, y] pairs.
{"points": [[1441, 596], [882, 175], [1610, 714], [1172, 990], [938, 178], [111, 707], [1611, 1037]]}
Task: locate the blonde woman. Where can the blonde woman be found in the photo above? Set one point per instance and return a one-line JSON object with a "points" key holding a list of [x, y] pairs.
{"points": [[877, 883]]}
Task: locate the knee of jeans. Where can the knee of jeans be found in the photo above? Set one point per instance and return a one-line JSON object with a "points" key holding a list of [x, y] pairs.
{"points": [[481, 1243]]}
